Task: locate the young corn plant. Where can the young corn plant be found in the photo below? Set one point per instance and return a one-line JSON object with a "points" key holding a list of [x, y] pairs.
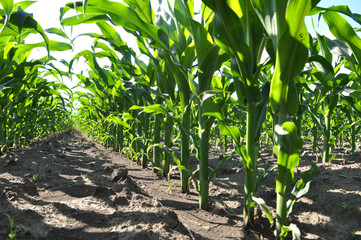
{"points": [[31, 106], [290, 40], [239, 32], [344, 32], [139, 19], [333, 88]]}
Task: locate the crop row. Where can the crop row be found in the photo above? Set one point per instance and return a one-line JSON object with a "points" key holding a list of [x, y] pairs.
{"points": [[202, 78]]}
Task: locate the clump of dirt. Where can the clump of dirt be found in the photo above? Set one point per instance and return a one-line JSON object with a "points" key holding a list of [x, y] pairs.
{"points": [[68, 187]]}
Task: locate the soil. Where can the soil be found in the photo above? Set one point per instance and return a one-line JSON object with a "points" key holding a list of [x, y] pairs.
{"points": [[68, 187]]}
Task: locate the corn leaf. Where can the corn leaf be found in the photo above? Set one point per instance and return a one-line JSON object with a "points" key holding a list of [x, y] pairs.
{"points": [[23, 4], [232, 131], [289, 146], [207, 68], [127, 17], [155, 108], [344, 9], [292, 52], [23, 19], [54, 46], [264, 207], [211, 108], [7, 5], [57, 31], [142, 8], [344, 32]]}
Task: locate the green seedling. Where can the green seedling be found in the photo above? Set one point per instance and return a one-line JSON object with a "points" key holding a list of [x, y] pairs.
{"points": [[13, 230]]}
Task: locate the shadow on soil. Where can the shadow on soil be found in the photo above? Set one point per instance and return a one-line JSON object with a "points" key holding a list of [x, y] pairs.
{"points": [[66, 187]]}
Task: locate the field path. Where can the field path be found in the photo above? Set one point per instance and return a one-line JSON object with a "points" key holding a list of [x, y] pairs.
{"points": [[68, 187]]}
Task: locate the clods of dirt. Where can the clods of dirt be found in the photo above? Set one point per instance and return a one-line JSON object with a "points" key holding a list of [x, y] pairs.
{"points": [[119, 174]]}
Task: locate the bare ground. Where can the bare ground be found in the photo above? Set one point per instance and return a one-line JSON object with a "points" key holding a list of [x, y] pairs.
{"points": [[68, 187]]}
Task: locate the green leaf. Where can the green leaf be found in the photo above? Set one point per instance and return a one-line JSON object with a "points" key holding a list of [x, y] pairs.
{"points": [[182, 14], [127, 116], [211, 108], [142, 8], [88, 19], [261, 109], [57, 31], [245, 158], [207, 68], [155, 108], [322, 65], [344, 9], [324, 50], [188, 57], [232, 131], [85, 4], [271, 14], [23, 19], [292, 52], [302, 186], [23, 4], [264, 207], [219, 165], [344, 32], [128, 18], [230, 34], [182, 82], [54, 46], [118, 121], [109, 32], [289, 146], [7, 5], [296, 233]]}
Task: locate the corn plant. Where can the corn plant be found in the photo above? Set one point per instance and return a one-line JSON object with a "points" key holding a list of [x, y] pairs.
{"points": [[179, 85], [238, 32], [31, 105], [290, 41]]}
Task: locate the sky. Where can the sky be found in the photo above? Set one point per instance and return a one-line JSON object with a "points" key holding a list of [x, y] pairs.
{"points": [[47, 12]]}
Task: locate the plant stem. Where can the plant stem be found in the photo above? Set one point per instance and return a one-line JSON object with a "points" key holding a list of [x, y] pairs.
{"points": [[281, 207], [315, 138], [185, 152], [120, 137], [353, 139], [281, 216], [250, 174], [203, 171], [168, 132], [157, 131], [204, 132], [326, 147]]}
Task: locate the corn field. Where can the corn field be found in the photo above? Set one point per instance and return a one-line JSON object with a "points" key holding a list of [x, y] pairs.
{"points": [[241, 76]]}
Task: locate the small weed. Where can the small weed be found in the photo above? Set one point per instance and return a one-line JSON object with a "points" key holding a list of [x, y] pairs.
{"points": [[35, 177], [345, 205], [14, 229]]}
